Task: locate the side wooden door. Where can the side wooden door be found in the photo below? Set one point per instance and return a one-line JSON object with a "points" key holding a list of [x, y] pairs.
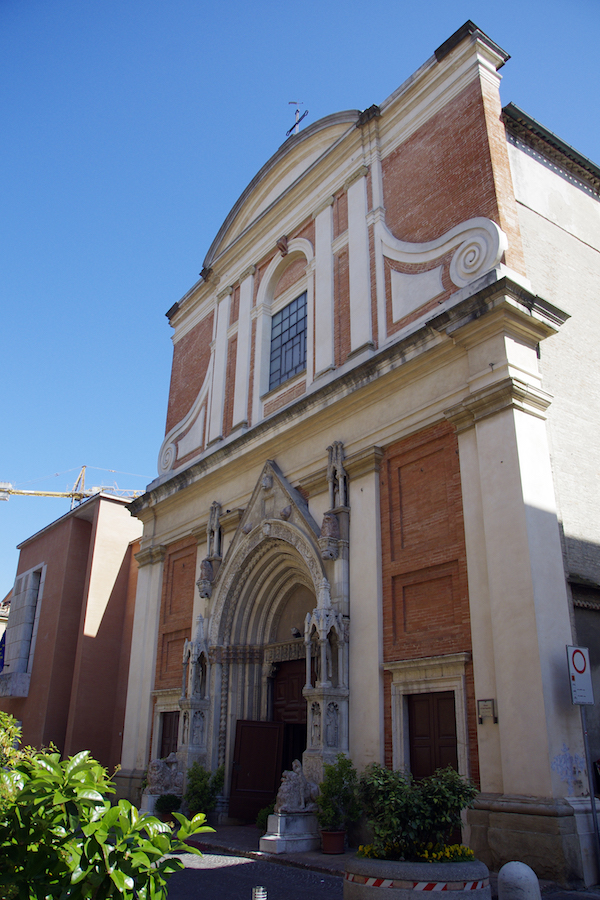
{"points": [[432, 732], [256, 767]]}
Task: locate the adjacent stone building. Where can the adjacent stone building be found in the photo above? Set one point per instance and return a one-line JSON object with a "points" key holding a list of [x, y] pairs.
{"points": [[375, 524]]}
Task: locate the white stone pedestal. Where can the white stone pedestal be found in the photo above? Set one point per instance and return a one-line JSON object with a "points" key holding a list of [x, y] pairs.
{"points": [[291, 833], [148, 801]]}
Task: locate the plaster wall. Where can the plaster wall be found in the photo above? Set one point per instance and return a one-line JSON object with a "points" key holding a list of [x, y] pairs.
{"points": [[560, 226]]}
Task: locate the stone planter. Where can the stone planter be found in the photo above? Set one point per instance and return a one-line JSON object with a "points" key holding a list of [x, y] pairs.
{"points": [[364, 879]]}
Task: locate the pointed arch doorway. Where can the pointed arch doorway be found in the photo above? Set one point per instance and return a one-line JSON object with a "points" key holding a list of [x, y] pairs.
{"points": [[264, 749], [271, 603]]}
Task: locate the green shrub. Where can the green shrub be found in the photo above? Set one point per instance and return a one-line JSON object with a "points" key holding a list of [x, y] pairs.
{"points": [[263, 815], [203, 788], [338, 800], [60, 838], [411, 819], [167, 803]]}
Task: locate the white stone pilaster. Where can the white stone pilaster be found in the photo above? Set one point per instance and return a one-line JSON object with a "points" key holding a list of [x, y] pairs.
{"points": [[142, 668], [519, 606], [358, 251], [242, 365], [323, 316], [215, 425], [366, 736]]}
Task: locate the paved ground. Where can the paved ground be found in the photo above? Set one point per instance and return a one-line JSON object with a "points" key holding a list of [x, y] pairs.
{"points": [[221, 877], [232, 865]]}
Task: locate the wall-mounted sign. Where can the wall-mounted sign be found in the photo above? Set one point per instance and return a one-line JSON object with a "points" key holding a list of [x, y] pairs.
{"points": [[580, 676], [486, 709]]}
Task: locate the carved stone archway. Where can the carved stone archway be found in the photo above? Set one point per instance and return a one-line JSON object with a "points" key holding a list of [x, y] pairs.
{"points": [[277, 547]]}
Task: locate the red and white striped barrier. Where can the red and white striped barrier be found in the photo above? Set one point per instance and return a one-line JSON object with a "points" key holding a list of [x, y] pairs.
{"points": [[419, 885]]}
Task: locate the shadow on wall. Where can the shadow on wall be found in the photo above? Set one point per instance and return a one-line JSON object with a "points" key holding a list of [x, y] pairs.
{"points": [[97, 709]]}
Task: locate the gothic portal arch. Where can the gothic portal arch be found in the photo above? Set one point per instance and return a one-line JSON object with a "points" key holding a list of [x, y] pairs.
{"points": [[271, 605]]}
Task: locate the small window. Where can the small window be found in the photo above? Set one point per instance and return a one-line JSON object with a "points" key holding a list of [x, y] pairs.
{"points": [[288, 342]]}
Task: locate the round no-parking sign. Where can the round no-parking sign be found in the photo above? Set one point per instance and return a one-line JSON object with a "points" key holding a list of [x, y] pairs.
{"points": [[580, 676]]}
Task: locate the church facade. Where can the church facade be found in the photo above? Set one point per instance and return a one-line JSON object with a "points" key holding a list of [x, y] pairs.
{"points": [[373, 523]]}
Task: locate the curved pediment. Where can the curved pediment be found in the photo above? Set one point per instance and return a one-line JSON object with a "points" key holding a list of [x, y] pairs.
{"points": [[292, 159]]}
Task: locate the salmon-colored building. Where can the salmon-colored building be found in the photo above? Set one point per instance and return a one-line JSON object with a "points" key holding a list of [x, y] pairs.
{"points": [[68, 636]]}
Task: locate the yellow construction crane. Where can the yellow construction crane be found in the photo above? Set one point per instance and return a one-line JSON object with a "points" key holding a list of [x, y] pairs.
{"points": [[77, 493]]}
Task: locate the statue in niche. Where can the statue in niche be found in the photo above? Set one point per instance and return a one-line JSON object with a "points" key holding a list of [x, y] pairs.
{"points": [[331, 725], [213, 531], [199, 679], [198, 728], [336, 476], [186, 727], [187, 650], [329, 536], [296, 793], [206, 570], [315, 731]]}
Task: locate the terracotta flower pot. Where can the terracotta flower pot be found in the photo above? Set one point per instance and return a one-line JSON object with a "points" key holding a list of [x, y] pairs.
{"points": [[332, 841], [408, 880]]}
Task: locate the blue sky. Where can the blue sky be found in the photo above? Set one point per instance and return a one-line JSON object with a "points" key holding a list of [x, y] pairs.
{"points": [[129, 130]]}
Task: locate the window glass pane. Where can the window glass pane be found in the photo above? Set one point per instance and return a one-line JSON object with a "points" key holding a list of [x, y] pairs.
{"points": [[288, 342]]}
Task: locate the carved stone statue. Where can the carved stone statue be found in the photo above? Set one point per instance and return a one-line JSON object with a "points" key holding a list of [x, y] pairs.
{"points": [[198, 728], [331, 726], [315, 737], [296, 793], [336, 476], [213, 531], [164, 777]]}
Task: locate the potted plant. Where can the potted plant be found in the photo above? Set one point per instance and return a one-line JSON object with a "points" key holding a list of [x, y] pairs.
{"points": [[413, 825], [166, 805], [338, 803], [203, 788]]}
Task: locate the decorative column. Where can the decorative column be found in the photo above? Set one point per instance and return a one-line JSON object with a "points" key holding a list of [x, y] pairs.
{"points": [[138, 710]]}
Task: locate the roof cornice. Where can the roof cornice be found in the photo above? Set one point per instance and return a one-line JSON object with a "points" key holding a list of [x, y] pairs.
{"points": [[519, 124]]}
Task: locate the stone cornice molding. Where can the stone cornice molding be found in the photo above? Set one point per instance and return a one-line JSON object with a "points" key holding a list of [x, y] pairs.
{"points": [[363, 462], [510, 393], [361, 172], [224, 293], [231, 519], [408, 669], [250, 270], [151, 555], [329, 201]]}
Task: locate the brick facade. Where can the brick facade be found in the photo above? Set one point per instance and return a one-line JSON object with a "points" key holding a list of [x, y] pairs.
{"points": [[424, 563], [175, 612]]}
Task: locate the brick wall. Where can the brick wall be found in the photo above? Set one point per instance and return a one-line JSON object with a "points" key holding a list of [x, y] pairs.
{"points": [[191, 356], [424, 566], [443, 174], [175, 612]]}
